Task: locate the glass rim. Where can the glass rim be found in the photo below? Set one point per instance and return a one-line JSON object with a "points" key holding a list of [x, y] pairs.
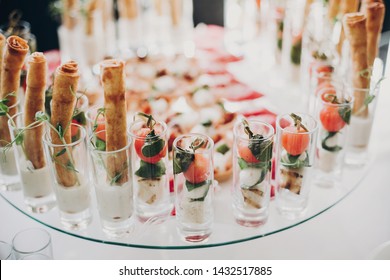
{"points": [[48, 141], [210, 145], [311, 131], [89, 110], [10, 247], [48, 241], [158, 135], [11, 123], [245, 138], [345, 103], [94, 150]]}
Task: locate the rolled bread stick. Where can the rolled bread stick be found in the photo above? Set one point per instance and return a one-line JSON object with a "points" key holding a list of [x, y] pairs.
{"points": [[375, 13], [35, 102]]}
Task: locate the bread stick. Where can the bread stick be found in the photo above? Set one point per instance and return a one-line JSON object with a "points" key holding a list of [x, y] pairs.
{"points": [[2, 46], [62, 106], [346, 7], [113, 80], [375, 13], [69, 16], [175, 6], [35, 102], [128, 9], [13, 60], [334, 9], [366, 2], [355, 30]]}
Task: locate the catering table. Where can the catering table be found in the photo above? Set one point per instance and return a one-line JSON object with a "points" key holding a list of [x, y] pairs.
{"points": [[351, 229]]}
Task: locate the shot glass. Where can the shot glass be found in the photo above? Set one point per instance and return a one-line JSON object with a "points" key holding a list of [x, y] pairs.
{"points": [[193, 182], [363, 113], [252, 161], [149, 155], [296, 136], [334, 114], [6, 252], [31, 163], [9, 177], [111, 177], [33, 243], [68, 164]]}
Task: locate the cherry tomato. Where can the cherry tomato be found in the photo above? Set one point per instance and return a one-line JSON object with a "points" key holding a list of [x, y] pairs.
{"points": [[139, 143], [74, 129], [294, 142], [101, 135], [198, 171], [331, 119], [246, 154]]}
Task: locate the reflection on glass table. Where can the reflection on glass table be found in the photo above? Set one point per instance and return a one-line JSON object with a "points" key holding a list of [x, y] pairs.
{"points": [[156, 235]]}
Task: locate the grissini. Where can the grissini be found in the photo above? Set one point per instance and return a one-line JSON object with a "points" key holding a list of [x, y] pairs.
{"points": [[128, 9], [333, 9], [366, 2], [69, 16], [113, 80], [13, 60], [62, 106], [355, 30], [346, 7], [375, 13], [175, 6], [2, 45], [35, 102], [92, 6], [159, 7]]}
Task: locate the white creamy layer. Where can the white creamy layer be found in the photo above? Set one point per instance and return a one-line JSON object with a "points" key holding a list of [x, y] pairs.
{"points": [[8, 162], [249, 176], [327, 160], [36, 183], [254, 198], [151, 191], [73, 199], [359, 132], [194, 212], [115, 203]]}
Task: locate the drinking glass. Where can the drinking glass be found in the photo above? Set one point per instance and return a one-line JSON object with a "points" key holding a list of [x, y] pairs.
{"points": [[32, 242], [32, 167], [149, 155], [252, 160], [296, 136], [111, 177], [6, 252], [68, 164], [9, 177], [193, 182], [334, 114]]}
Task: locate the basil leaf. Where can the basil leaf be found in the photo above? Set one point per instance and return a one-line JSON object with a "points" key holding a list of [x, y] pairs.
{"points": [[80, 117], [326, 147], [100, 145], [190, 186], [295, 163], [223, 149], [63, 151], [295, 53], [150, 170], [261, 150], [242, 163], [19, 137], [368, 99], [182, 161], [151, 149], [345, 114]]}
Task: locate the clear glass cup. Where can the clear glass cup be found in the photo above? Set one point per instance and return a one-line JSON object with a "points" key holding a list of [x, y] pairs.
{"points": [[6, 252], [361, 124], [278, 13], [322, 76], [334, 111], [193, 183], [240, 24], [149, 167], [9, 177], [31, 164], [68, 164], [111, 176], [32, 241], [252, 161], [296, 139], [292, 39]]}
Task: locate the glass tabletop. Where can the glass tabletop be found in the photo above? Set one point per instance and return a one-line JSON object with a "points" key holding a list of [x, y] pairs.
{"points": [[155, 234]]}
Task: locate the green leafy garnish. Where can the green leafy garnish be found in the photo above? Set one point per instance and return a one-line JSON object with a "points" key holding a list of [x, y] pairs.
{"points": [[190, 187], [345, 114], [182, 160], [262, 150], [152, 148], [207, 123], [100, 145], [295, 163], [295, 54], [223, 149], [80, 117], [326, 147], [150, 170]]}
